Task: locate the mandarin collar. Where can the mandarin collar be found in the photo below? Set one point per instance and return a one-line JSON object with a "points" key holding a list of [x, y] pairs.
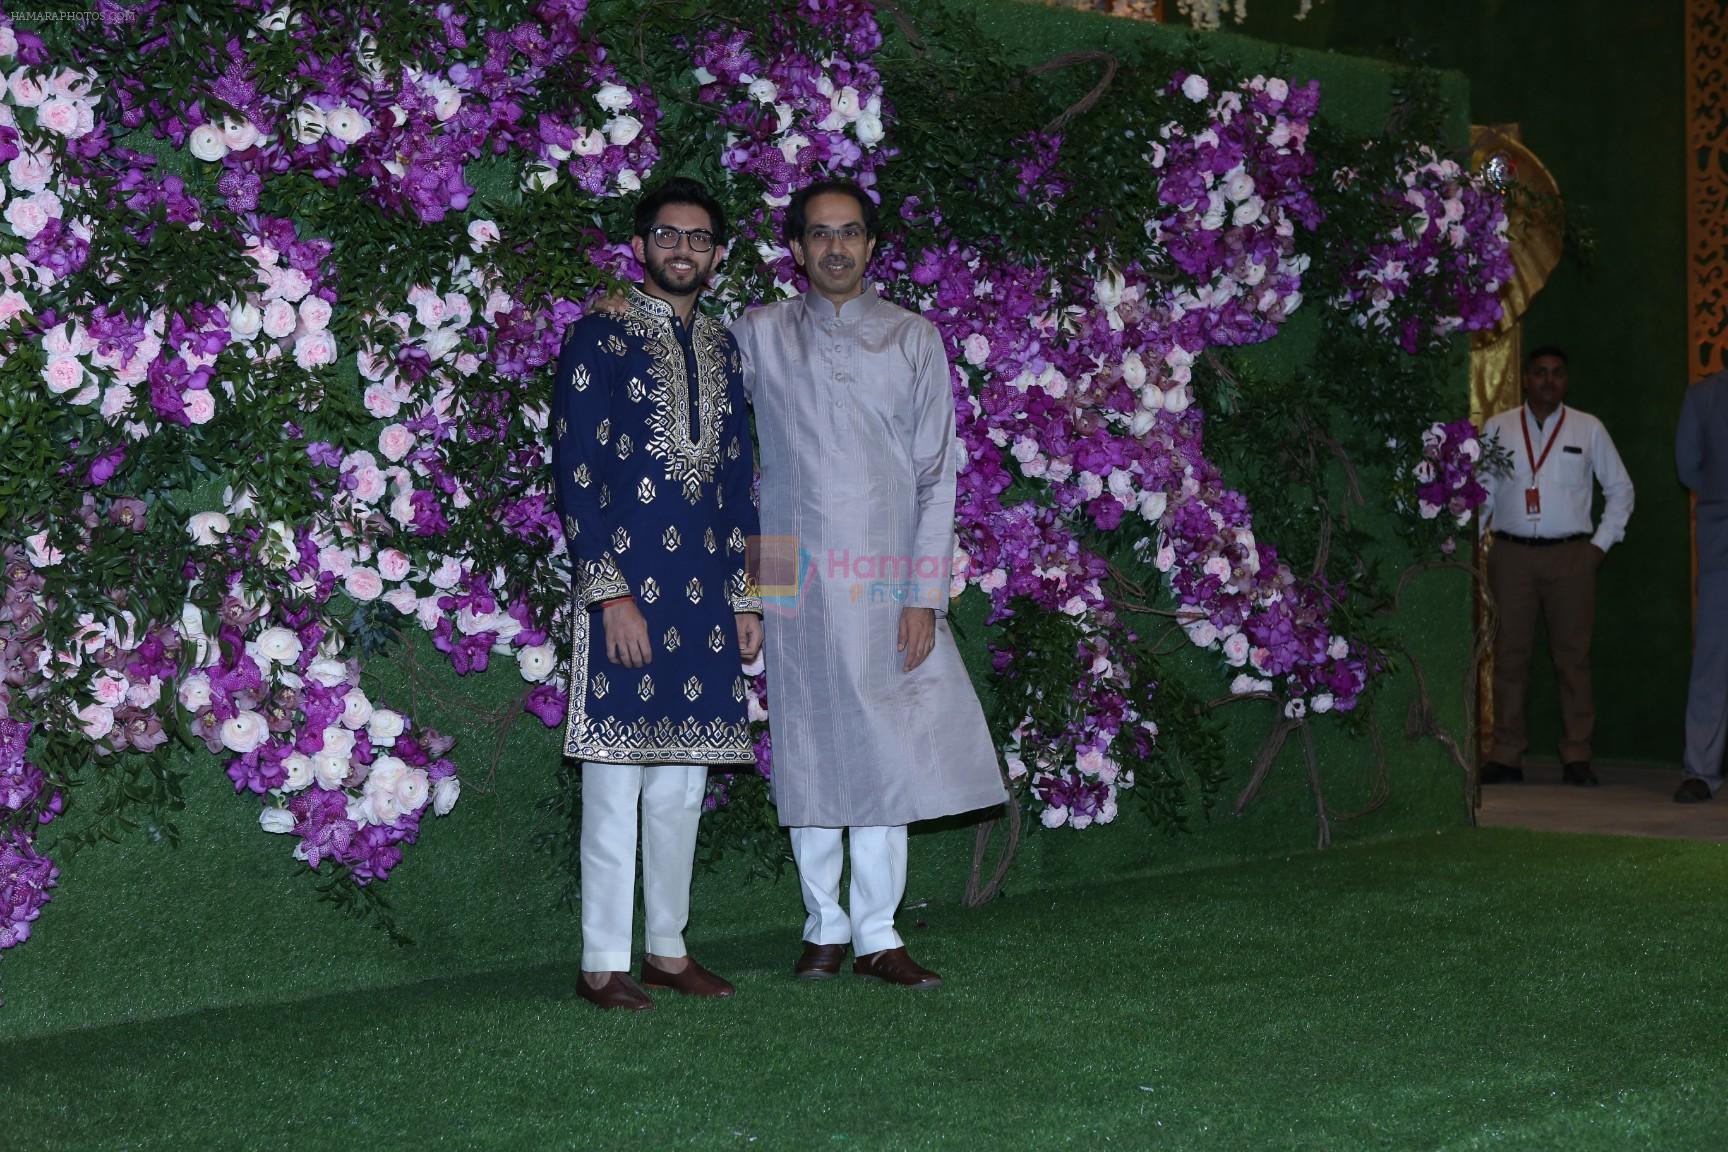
{"points": [[652, 305], [821, 308]]}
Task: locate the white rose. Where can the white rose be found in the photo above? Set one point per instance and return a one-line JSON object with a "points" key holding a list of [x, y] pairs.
{"points": [[614, 97], [346, 124], [623, 130], [278, 646], [206, 142], [239, 135], [412, 790], [538, 177], [445, 794], [299, 770], [589, 143], [976, 349], [380, 803], [245, 320], [1196, 88], [327, 672], [329, 770], [245, 732], [306, 124], [276, 820], [384, 726], [205, 527], [869, 130], [536, 662], [195, 692]]}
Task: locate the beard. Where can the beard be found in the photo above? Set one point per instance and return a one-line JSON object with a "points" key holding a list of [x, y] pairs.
{"points": [[677, 283]]}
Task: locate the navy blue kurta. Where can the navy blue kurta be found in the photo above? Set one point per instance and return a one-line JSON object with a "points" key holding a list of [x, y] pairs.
{"points": [[651, 459]]}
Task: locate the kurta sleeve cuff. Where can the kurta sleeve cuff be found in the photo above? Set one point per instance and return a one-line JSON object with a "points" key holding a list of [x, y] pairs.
{"points": [[601, 580]]}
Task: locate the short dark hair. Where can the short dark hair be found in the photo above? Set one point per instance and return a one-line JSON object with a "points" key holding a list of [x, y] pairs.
{"points": [[1553, 350], [680, 190], [797, 210]]}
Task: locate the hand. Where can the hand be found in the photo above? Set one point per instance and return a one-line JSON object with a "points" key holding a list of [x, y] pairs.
{"points": [[626, 634], [611, 304], [749, 635], [917, 635]]}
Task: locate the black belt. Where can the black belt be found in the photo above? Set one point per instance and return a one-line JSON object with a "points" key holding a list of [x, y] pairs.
{"points": [[1540, 541]]}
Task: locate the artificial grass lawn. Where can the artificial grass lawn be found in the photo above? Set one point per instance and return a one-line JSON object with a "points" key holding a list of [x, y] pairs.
{"points": [[1476, 989]]}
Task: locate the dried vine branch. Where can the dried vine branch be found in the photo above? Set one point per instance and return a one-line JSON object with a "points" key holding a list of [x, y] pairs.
{"points": [[978, 893], [1080, 106]]}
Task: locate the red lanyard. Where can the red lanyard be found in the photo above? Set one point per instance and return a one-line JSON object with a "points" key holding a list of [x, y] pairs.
{"points": [[1553, 438]]}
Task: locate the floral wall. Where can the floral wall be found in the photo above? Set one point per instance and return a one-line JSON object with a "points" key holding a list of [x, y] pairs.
{"points": [[282, 288]]}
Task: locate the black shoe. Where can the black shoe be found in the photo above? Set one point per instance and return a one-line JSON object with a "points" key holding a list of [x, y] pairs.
{"points": [[1691, 791], [1493, 772], [1579, 772]]}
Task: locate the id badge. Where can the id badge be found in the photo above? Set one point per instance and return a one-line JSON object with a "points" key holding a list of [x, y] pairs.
{"points": [[1533, 503]]}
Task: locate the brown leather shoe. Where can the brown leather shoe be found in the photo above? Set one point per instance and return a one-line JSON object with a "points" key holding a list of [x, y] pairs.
{"points": [[819, 961], [895, 966], [619, 991], [692, 980]]}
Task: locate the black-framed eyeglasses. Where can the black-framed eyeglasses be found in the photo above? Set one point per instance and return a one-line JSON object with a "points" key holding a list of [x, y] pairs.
{"points": [[666, 236], [850, 234]]}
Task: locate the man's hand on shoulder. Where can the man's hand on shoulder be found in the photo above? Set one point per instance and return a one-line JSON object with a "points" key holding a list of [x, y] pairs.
{"points": [[917, 635], [612, 304]]}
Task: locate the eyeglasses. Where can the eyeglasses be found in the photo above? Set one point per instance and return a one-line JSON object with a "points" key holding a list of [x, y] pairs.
{"points": [[850, 234], [666, 236]]}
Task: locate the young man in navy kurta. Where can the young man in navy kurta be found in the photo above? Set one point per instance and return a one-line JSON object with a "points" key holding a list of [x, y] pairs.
{"points": [[651, 455]]}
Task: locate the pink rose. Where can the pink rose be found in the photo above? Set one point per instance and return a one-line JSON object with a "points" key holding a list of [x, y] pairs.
{"points": [[393, 564], [26, 217], [363, 584], [29, 171], [97, 720], [333, 560], [280, 319], [315, 313], [368, 485], [405, 600], [381, 401], [315, 350], [26, 89], [109, 689], [290, 284], [63, 374], [395, 442], [200, 405], [59, 116]]}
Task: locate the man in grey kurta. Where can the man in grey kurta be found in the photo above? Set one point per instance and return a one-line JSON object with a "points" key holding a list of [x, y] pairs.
{"points": [[875, 722], [1701, 459]]}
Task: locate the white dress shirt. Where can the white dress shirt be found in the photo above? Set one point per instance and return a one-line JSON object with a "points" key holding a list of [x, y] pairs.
{"points": [[1581, 450]]}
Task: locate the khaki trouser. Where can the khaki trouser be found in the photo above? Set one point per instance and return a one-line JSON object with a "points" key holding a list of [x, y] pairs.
{"points": [[1559, 581]]}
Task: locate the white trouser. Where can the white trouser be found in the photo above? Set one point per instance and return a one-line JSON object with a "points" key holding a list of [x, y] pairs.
{"points": [[670, 796], [878, 883]]}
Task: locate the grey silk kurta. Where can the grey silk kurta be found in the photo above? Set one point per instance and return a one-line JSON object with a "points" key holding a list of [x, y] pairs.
{"points": [[855, 417]]}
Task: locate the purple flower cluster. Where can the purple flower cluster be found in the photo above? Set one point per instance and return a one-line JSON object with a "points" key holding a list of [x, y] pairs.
{"points": [[1439, 270], [1233, 189], [805, 104], [541, 87]]}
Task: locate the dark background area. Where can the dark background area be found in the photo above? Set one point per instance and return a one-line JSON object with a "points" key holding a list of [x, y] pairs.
{"points": [[1599, 88]]}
